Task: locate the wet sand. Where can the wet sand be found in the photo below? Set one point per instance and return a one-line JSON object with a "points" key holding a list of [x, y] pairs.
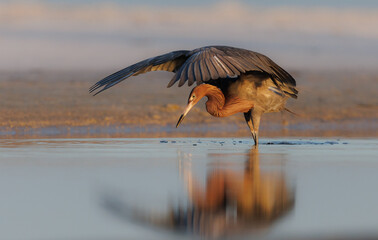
{"points": [[185, 188], [57, 104]]}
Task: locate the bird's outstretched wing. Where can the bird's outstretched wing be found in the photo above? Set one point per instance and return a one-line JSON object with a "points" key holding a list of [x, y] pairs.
{"points": [[217, 62], [201, 65], [167, 62]]}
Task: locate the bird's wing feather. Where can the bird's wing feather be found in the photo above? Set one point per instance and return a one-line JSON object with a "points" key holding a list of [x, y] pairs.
{"points": [[202, 65], [218, 62], [167, 62]]}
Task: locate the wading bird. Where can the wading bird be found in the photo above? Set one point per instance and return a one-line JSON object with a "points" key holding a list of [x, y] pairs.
{"points": [[233, 79]]}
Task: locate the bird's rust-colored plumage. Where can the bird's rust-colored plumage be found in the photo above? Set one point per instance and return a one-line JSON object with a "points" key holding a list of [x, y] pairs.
{"points": [[218, 105], [233, 79]]}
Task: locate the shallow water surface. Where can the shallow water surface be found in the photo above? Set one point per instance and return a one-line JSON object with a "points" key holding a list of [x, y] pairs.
{"points": [[188, 187]]}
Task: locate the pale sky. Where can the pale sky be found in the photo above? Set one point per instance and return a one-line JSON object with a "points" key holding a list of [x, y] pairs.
{"points": [[327, 3], [108, 35]]}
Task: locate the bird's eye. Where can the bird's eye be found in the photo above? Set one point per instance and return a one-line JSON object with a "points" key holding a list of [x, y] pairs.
{"points": [[193, 96]]}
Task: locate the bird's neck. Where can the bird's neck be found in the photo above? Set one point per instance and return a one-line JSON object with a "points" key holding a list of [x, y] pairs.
{"points": [[219, 106], [215, 102]]}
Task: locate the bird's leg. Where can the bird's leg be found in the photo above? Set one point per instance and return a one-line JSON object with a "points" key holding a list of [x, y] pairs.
{"points": [[248, 119], [252, 117]]}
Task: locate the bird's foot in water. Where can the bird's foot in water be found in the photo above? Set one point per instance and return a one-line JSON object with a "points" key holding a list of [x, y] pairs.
{"points": [[255, 136]]}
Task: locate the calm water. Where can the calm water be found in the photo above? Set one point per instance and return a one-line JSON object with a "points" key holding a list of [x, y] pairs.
{"points": [[185, 188]]}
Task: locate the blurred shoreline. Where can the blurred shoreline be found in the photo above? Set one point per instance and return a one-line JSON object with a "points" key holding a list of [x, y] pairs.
{"points": [[57, 104], [356, 129]]}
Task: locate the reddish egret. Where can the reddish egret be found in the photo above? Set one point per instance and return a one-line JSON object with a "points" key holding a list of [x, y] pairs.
{"points": [[233, 79]]}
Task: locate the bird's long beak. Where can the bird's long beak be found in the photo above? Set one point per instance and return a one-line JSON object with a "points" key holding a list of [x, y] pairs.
{"points": [[187, 109]]}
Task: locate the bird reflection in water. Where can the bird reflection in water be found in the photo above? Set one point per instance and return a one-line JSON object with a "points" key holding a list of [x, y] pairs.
{"points": [[234, 201]]}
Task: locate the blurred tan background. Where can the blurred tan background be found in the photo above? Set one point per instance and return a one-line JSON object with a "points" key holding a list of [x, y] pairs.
{"points": [[52, 51]]}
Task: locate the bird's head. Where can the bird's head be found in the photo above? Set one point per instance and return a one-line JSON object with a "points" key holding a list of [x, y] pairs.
{"points": [[195, 95]]}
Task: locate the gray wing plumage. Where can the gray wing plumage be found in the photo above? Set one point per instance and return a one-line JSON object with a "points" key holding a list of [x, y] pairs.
{"points": [[166, 62], [215, 62], [201, 65]]}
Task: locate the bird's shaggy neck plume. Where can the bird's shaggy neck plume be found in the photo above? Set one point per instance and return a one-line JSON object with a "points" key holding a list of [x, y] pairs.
{"points": [[219, 106]]}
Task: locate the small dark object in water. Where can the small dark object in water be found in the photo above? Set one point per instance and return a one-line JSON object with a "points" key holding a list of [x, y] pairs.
{"points": [[300, 143]]}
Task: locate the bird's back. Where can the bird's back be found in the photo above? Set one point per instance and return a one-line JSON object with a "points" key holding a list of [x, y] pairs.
{"points": [[262, 90]]}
